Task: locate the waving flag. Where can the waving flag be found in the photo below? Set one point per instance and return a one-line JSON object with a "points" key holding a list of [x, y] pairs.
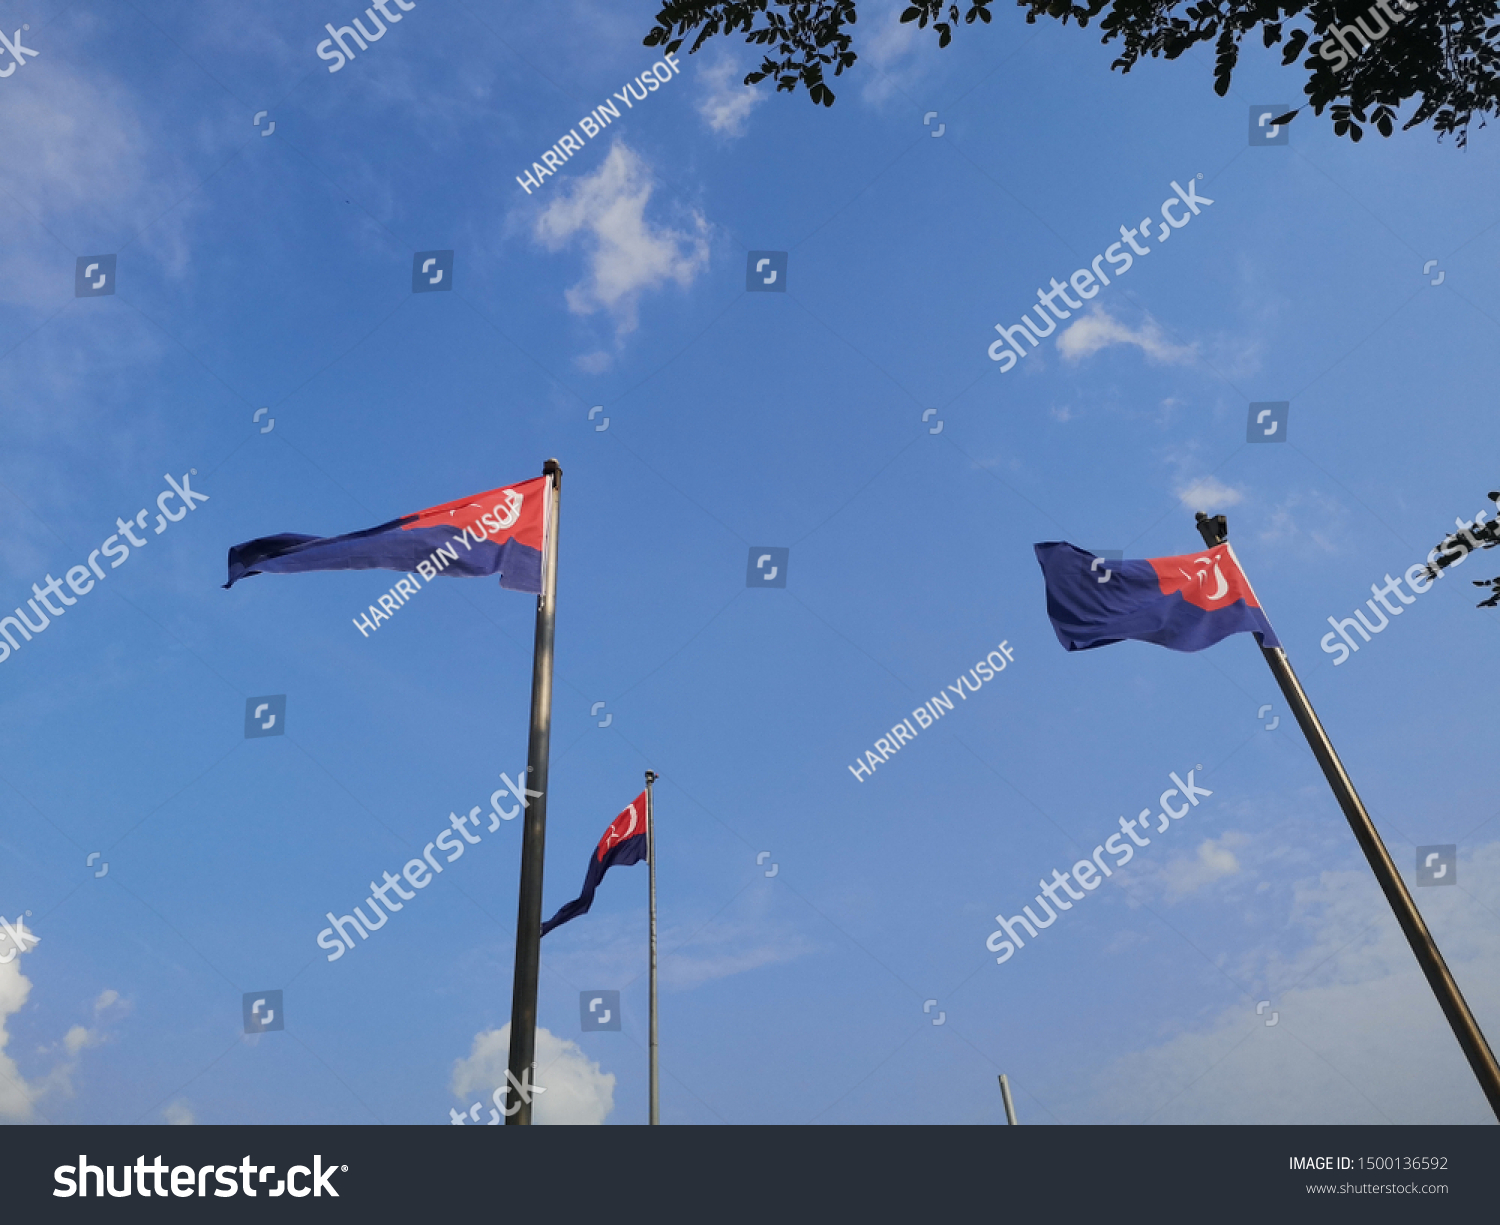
{"points": [[1186, 603], [499, 532], [624, 843], [1191, 602]]}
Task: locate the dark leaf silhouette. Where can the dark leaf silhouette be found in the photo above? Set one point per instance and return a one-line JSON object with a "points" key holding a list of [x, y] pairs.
{"points": [[1438, 62], [1454, 548]]}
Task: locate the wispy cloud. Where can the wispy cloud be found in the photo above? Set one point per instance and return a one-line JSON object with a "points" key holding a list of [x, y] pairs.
{"points": [[888, 52], [1099, 330], [727, 102], [723, 950], [1213, 860], [1208, 493], [179, 1113], [1307, 518], [1357, 1037], [92, 166], [746, 937]]}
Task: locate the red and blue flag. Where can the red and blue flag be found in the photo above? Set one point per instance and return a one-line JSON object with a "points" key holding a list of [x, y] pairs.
{"points": [[1186, 603], [502, 531], [624, 843]]}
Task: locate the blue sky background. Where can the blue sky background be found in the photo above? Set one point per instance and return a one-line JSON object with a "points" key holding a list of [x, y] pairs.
{"points": [[276, 272]]}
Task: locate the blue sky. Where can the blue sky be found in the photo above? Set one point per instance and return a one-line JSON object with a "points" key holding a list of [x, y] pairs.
{"points": [[275, 271]]}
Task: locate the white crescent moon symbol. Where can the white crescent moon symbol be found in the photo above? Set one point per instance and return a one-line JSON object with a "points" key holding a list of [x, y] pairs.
{"points": [[1223, 584], [512, 512]]}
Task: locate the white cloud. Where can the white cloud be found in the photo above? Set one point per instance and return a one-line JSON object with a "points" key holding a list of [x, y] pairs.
{"points": [[627, 254], [79, 1038], [1099, 330], [179, 1113], [16, 1095], [727, 102], [1208, 493], [1214, 860], [577, 1091]]}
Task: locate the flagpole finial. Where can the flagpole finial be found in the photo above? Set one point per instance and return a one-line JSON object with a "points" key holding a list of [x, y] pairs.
{"points": [[550, 467], [1214, 530], [652, 776]]}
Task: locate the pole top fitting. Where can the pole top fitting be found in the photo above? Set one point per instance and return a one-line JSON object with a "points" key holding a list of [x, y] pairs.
{"points": [[1214, 530], [550, 467], [652, 776]]}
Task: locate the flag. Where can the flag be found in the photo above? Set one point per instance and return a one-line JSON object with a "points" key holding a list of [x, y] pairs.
{"points": [[624, 843], [1186, 603], [499, 532]]}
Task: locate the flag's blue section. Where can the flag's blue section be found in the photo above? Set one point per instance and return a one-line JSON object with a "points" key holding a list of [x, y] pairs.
{"points": [[390, 547], [1186, 603], [624, 843], [499, 532]]}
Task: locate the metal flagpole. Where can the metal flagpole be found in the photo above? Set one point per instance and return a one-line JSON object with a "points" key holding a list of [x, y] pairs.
{"points": [[534, 833], [651, 873], [1010, 1107], [1450, 999]]}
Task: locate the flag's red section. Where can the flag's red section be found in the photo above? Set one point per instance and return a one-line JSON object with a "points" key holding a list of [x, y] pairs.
{"points": [[624, 843], [510, 512], [627, 825], [1209, 580]]}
